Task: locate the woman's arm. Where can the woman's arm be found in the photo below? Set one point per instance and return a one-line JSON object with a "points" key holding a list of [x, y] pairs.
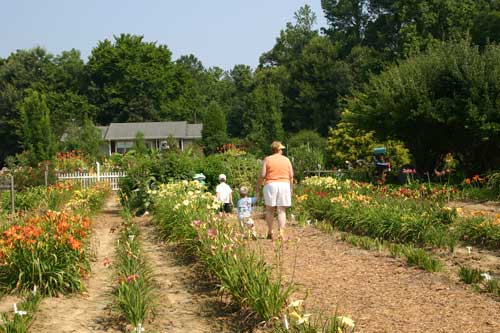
{"points": [[260, 179]]}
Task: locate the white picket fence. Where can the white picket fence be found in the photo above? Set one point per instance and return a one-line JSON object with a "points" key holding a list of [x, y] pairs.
{"points": [[88, 179]]}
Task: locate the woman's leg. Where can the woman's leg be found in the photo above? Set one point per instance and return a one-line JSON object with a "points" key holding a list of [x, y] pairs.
{"points": [[269, 219], [281, 219]]}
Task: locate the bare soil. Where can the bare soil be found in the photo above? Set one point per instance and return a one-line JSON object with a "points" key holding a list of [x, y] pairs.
{"points": [[188, 303], [89, 311], [381, 293], [184, 303]]}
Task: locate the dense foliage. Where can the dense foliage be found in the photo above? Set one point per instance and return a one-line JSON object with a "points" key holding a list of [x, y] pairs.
{"points": [[147, 171], [421, 72]]}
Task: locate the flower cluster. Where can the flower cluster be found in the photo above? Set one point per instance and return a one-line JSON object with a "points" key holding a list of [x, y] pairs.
{"points": [[474, 180]]}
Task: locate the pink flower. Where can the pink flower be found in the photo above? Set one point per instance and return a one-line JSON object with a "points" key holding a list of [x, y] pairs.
{"points": [[132, 277], [106, 262], [196, 223], [212, 233]]}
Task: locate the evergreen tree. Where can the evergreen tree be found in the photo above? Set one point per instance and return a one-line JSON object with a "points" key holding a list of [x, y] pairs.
{"points": [[266, 125], [35, 128], [214, 131]]}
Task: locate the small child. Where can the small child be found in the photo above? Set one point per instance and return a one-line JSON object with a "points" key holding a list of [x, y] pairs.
{"points": [[224, 194], [245, 212]]}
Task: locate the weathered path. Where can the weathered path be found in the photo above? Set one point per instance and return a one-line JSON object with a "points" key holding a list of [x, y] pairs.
{"points": [[88, 312], [186, 305]]}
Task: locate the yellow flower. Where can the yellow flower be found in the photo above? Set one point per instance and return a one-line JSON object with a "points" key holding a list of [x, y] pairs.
{"points": [[294, 315], [345, 322]]}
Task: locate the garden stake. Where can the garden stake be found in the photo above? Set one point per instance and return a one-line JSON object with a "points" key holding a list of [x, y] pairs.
{"points": [[139, 328], [469, 249], [285, 322]]}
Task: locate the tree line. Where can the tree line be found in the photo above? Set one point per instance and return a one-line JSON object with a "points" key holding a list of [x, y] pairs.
{"points": [[422, 73]]}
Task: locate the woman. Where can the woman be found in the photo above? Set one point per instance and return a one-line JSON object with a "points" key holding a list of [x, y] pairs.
{"points": [[277, 176]]}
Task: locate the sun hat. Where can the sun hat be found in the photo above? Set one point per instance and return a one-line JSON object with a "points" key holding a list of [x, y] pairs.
{"points": [[276, 145], [199, 176], [222, 176]]}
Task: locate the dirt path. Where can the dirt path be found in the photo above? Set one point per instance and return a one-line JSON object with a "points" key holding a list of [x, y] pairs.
{"points": [[87, 312], [380, 293], [186, 304]]}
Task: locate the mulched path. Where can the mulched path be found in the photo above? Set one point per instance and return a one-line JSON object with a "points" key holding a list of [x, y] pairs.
{"points": [[379, 292]]}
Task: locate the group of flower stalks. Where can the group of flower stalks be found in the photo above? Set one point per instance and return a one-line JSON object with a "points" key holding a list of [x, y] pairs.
{"points": [[405, 215], [45, 252], [186, 214], [135, 289]]}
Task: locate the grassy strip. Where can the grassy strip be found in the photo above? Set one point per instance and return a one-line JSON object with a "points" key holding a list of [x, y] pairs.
{"points": [[135, 292], [414, 256], [20, 321], [482, 281]]}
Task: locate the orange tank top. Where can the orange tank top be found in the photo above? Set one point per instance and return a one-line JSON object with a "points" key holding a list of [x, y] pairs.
{"points": [[277, 169]]}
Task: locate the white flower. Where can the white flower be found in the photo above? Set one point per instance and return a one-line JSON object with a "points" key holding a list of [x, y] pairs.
{"points": [[296, 303], [486, 276]]}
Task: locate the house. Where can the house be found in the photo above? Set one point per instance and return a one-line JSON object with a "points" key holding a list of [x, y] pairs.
{"points": [[120, 137]]}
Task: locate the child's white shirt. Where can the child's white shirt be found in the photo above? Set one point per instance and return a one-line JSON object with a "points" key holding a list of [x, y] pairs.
{"points": [[223, 192]]}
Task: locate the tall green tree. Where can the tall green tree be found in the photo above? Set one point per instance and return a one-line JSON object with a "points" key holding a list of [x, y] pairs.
{"points": [[132, 80], [347, 21], [35, 128], [20, 71], [443, 101], [61, 78], [241, 79], [266, 124], [320, 79], [292, 39], [214, 131]]}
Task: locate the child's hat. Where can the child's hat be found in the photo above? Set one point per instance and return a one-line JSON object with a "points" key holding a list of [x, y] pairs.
{"points": [[222, 176]]}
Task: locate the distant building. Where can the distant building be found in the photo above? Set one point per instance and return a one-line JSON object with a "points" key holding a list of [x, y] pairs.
{"points": [[120, 137]]}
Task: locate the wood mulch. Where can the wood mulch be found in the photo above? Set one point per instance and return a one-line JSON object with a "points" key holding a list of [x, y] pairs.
{"points": [[381, 293]]}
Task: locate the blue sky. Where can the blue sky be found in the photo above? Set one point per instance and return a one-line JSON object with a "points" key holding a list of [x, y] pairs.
{"points": [[219, 32]]}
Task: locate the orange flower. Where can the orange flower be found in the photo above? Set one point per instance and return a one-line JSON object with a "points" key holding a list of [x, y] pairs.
{"points": [[132, 277], [75, 244], [62, 226]]}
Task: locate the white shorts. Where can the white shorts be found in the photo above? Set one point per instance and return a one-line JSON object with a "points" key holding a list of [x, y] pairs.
{"points": [[278, 194]]}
